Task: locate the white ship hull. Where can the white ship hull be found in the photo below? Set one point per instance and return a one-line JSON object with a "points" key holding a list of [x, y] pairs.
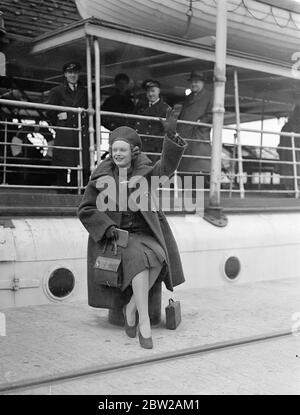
{"points": [[35, 247]]}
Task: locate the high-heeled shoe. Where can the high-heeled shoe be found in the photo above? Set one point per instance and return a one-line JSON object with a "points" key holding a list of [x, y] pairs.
{"points": [[146, 343], [130, 330]]}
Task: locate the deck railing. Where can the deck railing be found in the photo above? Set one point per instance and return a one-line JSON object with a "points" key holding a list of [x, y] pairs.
{"points": [[15, 165], [241, 169]]}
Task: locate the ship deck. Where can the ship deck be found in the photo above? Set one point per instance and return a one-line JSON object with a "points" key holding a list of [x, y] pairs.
{"points": [[25, 202], [233, 339]]}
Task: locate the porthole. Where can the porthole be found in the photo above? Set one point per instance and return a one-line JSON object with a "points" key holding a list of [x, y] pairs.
{"points": [[232, 268], [60, 284]]}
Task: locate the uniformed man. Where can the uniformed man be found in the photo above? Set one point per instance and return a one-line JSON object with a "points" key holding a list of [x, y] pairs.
{"points": [[153, 106], [70, 94]]}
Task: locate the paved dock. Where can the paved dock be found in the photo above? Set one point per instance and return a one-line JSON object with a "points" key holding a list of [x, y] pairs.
{"points": [[51, 339]]}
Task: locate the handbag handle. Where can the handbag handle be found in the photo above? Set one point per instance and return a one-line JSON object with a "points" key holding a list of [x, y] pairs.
{"points": [[105, 246], [114, 247], [171, 301]]}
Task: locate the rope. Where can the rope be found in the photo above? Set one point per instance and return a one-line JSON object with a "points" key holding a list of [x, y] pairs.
{"points": [[189, 15], [270, 13]]}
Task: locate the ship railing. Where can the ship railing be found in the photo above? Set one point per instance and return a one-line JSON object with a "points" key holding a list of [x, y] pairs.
{"points": [[267, 176], [12, 165], [236, 180], [236, 174]]}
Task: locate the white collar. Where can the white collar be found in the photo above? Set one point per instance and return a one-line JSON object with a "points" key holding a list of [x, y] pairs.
{"points": [[72, 86], [152, 103]]}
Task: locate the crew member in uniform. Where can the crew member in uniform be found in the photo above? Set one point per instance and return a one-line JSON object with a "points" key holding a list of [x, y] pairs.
{"points": [[70, 94], [153, 106]]}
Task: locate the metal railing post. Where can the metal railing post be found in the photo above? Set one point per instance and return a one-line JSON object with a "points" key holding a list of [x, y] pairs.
{"points": [[175, 184], [238, 135], [80, 171], [5, 152], [90, 103], [98, 98], [232, 166], [214, 212], [261, 142], [295, 166]]}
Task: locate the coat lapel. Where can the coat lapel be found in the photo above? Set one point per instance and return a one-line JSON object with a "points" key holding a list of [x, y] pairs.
{"points": [[142, 168]]}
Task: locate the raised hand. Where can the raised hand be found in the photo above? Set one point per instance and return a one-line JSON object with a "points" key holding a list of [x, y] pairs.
{"points": [[170, 123]]}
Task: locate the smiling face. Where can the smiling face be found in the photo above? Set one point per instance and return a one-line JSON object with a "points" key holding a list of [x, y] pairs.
{"points": [[72, 76], [121, 153], [153, 93]]}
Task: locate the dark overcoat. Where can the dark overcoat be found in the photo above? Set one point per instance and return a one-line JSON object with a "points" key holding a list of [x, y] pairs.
{"points": [[117, 103], [97, 222], [151, 127], [196, 107], [293, 125], [64, 96]]}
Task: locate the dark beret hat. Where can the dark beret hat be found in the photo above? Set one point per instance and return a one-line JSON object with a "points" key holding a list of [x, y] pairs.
{"points": [[71, 66], [125, 134]]}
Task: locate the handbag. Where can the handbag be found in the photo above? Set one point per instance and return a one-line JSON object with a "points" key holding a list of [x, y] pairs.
{"points": [[107, 266], [173, 314]]}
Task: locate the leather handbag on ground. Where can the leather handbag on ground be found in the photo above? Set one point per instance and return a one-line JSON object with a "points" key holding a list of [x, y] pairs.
{"points": [[107, 270], [173, 314]]}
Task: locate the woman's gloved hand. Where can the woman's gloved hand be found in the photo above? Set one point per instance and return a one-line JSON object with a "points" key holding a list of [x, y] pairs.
{"points": [[111, 232], [169, 125]]}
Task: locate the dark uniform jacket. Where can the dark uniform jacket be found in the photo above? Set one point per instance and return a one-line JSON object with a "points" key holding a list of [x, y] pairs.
{"points": [[63, 95], [196, 107], [151, 127], [97, 222]]}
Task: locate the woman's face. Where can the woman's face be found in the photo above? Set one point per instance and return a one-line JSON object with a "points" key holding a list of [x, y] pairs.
{"points": [[121, 153]]}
